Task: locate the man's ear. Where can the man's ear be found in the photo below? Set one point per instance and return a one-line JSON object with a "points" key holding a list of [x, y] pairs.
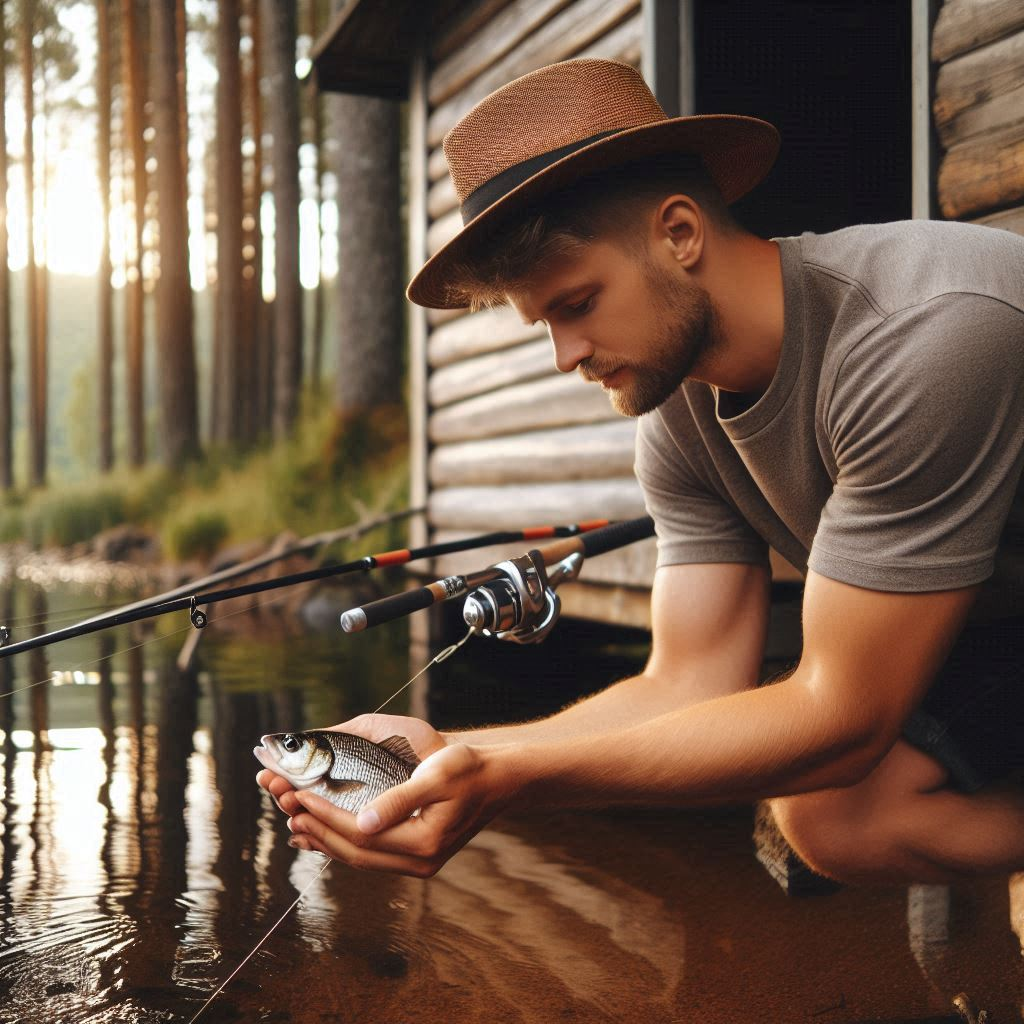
{"points": [[680, 224]]}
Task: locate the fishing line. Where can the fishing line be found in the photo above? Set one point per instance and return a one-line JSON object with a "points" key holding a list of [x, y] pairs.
{"points": [[436, 660], [273, 928]]}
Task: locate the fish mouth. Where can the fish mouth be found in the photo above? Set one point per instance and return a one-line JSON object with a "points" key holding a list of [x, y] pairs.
{"points": [[269, 755]]}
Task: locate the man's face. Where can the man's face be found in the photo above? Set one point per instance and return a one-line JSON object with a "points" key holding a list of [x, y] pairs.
{"points": [[622, 319]]}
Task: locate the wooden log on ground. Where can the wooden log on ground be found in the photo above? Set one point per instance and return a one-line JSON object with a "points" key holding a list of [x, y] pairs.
{"points": [[983, 174], [572, 30], [490, 43], [510, 506], [570, 453], [982, 91], [1009, 220], [487, 331], [550, 402], [491, 372], [964, 25]]}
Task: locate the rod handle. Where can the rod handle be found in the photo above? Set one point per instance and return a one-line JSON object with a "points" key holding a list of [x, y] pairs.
{"points": [[394, 607], [618, 535]]}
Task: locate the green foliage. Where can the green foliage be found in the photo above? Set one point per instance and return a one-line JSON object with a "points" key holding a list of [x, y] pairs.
{"points": [[331, 472], [68, 515], [196, 534]]}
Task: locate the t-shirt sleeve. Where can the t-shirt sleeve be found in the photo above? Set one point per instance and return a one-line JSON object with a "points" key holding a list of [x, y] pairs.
{"points": [[926, 427], [694, 523]]}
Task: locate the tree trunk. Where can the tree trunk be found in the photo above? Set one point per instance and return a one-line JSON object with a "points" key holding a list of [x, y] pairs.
{"points": [[257, 374], [36, 426], [369, 282], [105, 327], [6, 358], [175, 353], [316, 117], [279, 24], [135, 101], [229, 335]]}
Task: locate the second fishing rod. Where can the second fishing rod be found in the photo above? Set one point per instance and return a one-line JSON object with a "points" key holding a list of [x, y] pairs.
{"points": [[196, 599]]}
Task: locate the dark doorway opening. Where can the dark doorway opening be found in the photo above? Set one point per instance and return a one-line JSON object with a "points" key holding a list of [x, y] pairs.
{"points": [[835, 77]]}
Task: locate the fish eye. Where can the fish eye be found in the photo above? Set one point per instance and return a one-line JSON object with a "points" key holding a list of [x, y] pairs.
{"points": [[291, 743]]}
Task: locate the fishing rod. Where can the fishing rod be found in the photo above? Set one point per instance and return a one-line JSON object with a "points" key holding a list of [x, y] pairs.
{"points": [[192, 596], [514, 599]]}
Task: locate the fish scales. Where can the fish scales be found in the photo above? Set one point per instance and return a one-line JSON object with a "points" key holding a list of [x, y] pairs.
{"points": [[346, 769]]}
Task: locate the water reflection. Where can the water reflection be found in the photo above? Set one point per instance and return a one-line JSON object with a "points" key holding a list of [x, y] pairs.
{"points": [[140, 864]]}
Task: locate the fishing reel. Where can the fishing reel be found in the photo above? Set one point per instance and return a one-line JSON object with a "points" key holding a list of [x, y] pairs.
{"points": [[520, 604]]}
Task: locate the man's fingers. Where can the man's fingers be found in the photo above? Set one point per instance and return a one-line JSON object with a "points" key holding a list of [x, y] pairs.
{"points": [[322, 837]]}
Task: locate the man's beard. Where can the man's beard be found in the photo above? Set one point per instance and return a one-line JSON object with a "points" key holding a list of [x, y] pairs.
{"points": [[684, 325]]}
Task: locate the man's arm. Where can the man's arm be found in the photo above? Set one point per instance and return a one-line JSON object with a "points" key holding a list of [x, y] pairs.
{"points": [[868, 658], [708, 633]]}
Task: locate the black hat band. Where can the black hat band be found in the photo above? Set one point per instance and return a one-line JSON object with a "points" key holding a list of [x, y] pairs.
{"points": [[512, 177]]}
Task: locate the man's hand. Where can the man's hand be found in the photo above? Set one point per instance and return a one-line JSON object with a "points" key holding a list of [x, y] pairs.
{"points": [[453, 790]]}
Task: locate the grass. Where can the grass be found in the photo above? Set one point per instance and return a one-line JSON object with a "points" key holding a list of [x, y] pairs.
{"points": [[329, 473]]}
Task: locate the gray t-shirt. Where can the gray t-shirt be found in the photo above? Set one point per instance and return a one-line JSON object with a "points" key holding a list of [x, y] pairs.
{"points": [[887, 451]]}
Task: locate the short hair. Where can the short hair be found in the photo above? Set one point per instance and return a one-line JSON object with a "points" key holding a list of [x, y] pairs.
{"points": [[605, 205]]}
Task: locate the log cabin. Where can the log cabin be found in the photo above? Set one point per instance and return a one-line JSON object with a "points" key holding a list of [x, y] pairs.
{"points": [[887, 111]]}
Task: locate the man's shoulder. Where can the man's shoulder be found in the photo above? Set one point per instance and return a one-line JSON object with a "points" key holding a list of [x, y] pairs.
{"points": [[906, 263]]}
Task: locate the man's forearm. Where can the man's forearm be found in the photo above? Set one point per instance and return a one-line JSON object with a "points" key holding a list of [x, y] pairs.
{"points": [[629, 701], [767, 742]]}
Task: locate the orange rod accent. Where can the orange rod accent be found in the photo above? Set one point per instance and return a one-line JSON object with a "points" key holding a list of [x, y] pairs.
{"points": [[393, 557], [535, 532], [593, 524]]}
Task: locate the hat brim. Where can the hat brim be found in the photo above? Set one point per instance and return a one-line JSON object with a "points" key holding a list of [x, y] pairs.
{"points": [[737, 152]]}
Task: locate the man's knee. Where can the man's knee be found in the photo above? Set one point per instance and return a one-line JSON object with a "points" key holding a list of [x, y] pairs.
{"points": [[822, 828]]}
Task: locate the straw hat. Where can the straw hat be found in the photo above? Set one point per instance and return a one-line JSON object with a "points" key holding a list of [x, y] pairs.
{"points": [[553, 126]]}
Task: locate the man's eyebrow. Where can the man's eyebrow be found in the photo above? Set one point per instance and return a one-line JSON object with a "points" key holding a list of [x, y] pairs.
{"points": [[561, 296]]}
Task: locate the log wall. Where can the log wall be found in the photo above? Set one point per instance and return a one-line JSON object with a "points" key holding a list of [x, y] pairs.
{"points": [[978, 50], [511, 441]]}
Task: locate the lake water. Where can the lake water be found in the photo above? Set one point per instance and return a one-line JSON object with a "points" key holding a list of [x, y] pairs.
{"points": [[140, 863]]}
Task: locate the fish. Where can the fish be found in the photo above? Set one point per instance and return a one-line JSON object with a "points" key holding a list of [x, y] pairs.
{"points": [[342, 767]]}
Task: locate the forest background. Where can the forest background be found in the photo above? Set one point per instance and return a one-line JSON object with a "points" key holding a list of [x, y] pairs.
{"points": [[185, 338]]}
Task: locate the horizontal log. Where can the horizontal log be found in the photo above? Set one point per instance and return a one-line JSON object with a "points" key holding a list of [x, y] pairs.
{"points": [[488, 373], [621, 606], [569, 453], [442, 231], [508, 506], [981, 91], [550, 402], [1009, 220], [489, 330], [631, 566], [439, 317], [489, 43], [576, 27], [964, 25], [456, 30], [441, 198], [983, 174], [437, 164]]}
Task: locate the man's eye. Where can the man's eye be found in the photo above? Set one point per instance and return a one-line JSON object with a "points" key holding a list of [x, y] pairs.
{"points": [[582, 307]]}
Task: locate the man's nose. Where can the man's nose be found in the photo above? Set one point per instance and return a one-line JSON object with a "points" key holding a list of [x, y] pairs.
{"points": [[570, 349]]}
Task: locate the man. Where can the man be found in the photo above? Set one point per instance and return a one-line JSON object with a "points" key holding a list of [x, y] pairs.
{"points": [[855, 400]]}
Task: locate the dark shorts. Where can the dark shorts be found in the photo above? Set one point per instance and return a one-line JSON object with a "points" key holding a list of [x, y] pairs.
{"points": [[972, 719]]}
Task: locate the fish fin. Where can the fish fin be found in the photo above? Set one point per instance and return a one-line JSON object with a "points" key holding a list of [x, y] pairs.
{"points": [[400, 747], [341, 785]]}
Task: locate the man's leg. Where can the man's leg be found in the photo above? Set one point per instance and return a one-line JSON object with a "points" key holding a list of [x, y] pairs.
{"points": [[903, 823]]}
